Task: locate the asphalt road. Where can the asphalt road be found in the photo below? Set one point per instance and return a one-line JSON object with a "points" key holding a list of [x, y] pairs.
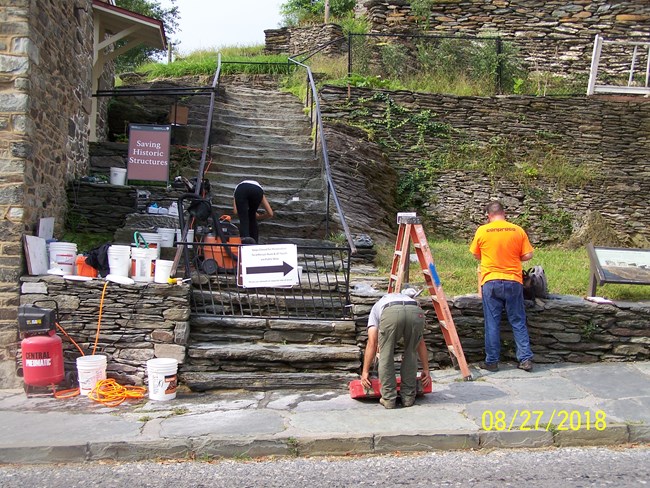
{"points": [[569, 467]]}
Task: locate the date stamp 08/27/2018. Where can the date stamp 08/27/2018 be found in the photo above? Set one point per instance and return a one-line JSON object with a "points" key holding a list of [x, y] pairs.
{"points": [[559, 420]]}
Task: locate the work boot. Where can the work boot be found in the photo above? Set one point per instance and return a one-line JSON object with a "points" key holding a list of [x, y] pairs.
{"points": [[489, 366], [388, 404], [526, 365], [408, 401]]}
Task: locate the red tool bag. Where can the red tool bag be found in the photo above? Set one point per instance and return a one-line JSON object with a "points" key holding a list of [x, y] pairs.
{"points": [[357, 390]]}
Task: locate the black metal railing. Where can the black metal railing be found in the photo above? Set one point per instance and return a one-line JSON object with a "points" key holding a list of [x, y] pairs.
{"points": [[317, 123], [321, 291]]}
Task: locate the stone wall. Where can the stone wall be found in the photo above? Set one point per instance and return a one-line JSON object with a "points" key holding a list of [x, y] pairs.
{"points": [[297, 40], [45, 48], [554, 36], [562, 329], [138, 322], [604, 136]]}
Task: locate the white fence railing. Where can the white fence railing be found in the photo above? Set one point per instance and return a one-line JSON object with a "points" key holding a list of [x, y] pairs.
{"points": [[634, 86]]}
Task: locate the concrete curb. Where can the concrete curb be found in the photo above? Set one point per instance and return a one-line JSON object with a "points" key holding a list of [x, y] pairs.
{"points": [[211, 447]]}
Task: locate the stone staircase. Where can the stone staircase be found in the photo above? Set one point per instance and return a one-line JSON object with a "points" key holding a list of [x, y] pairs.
{"points": [[264, 354], [264, 135]]}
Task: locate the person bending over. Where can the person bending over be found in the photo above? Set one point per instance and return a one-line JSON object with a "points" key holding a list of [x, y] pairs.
{"points": [[396, 316], [248, 197]]}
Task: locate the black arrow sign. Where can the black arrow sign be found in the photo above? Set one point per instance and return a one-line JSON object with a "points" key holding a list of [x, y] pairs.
{"points": [[283, 268]]}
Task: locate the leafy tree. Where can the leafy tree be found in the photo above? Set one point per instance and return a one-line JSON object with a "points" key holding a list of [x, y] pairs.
{"points": [[151, 8], [300, 12]]}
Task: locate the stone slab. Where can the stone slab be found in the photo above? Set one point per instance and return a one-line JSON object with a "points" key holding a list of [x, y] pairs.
{"points": [[516, 439], [612, 435], [239, 423], [334, 445], [610, 380], [377, 419], [426, 442]]}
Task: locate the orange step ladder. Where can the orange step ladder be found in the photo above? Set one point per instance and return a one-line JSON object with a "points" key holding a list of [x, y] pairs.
{"points": [[410, 228]]}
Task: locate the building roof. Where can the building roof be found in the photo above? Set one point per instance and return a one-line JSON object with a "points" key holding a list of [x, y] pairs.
{"points": [[135, 28]]}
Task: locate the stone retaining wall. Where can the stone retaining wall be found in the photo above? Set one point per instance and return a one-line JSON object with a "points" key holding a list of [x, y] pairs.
{"points": [[138, 322], [562, 329], [45, 48], [105, 208], [605, 136], [296, 40], [554, 35]]}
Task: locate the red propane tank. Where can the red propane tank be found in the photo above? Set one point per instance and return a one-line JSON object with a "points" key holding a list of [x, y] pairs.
{"points": [[42, 360]]}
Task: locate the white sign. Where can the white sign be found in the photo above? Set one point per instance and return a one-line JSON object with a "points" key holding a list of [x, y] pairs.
{"points": [[269, 266]]}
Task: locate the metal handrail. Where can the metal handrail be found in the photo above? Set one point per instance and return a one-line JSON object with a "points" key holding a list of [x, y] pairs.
{"points": [[312, 52], [208, 128], [199, 179], [331, 188]]}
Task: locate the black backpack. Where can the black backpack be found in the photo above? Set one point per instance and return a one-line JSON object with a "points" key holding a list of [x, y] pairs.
{"points": [[535, 284]]}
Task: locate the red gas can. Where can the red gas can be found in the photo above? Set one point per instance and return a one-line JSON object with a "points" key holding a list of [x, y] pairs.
{"points": [[42, 360]]}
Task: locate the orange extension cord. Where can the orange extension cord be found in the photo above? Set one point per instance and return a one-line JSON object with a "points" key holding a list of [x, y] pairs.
{"points": [[107, 392]]}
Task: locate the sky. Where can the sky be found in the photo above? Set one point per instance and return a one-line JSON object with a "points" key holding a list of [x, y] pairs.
{"points": [[217, 23]]}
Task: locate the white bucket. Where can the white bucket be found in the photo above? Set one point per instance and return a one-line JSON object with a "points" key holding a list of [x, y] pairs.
{"points": [[119, 260], [153, 241], [190, 236], [63, 255], [90, 369], [163, 379], [118, 176], [166, 236], [163, 270], [142, 264]]}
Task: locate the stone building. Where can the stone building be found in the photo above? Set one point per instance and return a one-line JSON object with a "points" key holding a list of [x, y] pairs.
{"points": [[52, 56]]}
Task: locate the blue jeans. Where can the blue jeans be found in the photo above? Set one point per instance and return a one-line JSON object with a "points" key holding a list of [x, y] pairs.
{"points": [[497, 295]]}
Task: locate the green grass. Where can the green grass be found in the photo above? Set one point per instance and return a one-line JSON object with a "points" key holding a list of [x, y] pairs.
{"points": [[86, 241], [204, 62], [567, 271]]}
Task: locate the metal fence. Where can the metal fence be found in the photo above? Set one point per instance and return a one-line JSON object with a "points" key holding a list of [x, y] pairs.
{"points": [[321, 293], [477, 66]]}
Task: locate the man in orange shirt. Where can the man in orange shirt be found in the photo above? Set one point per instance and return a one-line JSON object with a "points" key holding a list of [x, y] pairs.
{"points": [[501, 246]]}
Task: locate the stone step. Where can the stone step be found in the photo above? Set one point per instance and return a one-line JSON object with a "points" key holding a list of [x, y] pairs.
{"points": [[289, 356], [282, 207], [215, 380], [228, 330], [271, 180], [243, 93], [271, 141], [260, 150], [275, 187], [274, 129], [246, 159], [263, 118]]}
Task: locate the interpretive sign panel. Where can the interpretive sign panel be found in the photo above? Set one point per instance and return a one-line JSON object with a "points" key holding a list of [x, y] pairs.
{"points": [[148, 157], [618, 265]]}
